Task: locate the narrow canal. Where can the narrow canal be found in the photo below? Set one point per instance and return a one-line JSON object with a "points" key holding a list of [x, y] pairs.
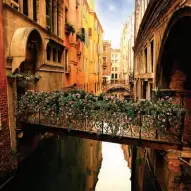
{"points": [[114, 174], [73, 164]]}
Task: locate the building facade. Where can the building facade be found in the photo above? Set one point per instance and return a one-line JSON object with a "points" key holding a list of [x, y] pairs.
{"points": [[127, 54], [116, 69], [95, 54], [5, 143], [161, 62], [106, 62]]}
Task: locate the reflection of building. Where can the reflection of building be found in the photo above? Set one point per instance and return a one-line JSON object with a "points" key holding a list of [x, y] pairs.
{"points": [[116, 72], [127, 43], [106, 62], [127, 154], [162, 60]]}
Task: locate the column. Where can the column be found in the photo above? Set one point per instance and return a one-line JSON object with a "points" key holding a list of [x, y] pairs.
{"points": [[148, 95], [21, 6], [30, 9], [54, 16], [60, 23]]}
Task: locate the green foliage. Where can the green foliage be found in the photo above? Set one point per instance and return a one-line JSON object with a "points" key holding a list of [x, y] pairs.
{"points": [[24, 79], [70, 27], [80, 36], [70, 105]]}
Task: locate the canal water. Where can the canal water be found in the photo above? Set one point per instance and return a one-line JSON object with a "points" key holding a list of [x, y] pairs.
{"points": [[114, 174], [73, 164]]}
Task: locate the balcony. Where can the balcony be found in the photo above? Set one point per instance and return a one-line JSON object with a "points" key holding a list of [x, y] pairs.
{"points": [[69, 28]]}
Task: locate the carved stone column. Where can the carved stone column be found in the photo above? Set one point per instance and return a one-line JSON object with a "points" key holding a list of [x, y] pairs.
{"points": [[21, 6], [54, 16], [30, 9], [60, 23]]}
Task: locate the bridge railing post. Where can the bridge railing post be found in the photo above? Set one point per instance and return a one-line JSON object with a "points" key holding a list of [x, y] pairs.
{"points": [[140, 126], [102, 127], [39, 115], [181, 138]]}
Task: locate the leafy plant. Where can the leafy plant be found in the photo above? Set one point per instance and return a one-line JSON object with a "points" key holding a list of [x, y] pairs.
{"points": [[80, 36], [24, 79], [69, 28], [75, 106]]}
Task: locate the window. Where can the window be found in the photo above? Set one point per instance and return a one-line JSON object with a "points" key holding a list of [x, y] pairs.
{"points": [[15, 4], [54, 55], [112, 76], [34, 10], [115, 68], [25, 7], [66, 14], [145, 60], [48, 52], [152, 56], [116, 76], [66, 59], [104, 48], [112, 68], [104, 60], [59, 56]]}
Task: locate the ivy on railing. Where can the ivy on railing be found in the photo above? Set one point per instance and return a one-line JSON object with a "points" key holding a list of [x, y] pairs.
{"points": [[77, 105], [69, 28], [23, 79]]}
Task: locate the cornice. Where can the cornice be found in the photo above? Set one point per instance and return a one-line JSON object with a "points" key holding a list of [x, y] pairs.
{"points": [[155, 9]]}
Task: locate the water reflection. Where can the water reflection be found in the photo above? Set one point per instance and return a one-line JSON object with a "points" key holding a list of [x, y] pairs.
{"points": [[114, 174]]}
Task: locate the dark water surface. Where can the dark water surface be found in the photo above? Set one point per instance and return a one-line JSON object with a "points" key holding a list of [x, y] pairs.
{"points": [[61, 165]]}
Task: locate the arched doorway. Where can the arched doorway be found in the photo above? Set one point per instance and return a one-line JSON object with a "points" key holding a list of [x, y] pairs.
{"points": [[26, 62], [174, 67]]}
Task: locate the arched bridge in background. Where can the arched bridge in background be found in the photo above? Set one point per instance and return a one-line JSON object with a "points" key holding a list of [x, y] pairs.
{"points": [[116, 87]]}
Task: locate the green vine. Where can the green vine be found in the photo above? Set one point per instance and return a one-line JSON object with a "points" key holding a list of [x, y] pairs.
{"points": [[24, 79], [80, 36], [164, 114], [70, 28]]}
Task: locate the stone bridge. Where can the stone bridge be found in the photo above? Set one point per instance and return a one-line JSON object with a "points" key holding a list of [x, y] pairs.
{"points": [[116, 87]]}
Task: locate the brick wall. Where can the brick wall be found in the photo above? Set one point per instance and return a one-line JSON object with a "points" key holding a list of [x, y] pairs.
{"points": [[5, 146]]}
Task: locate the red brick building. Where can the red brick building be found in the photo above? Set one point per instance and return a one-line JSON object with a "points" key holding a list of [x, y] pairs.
{"points": [[106, 61], [5, 146]]}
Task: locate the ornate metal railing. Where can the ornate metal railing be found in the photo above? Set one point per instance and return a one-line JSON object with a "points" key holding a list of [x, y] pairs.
{"points": [[152, 124]]}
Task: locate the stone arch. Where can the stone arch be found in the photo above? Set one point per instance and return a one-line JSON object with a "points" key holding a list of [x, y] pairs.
{"points": [[179, 16], [117, 88], [24, 44]]}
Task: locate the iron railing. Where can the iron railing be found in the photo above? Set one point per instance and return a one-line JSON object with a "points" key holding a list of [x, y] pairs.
{"points": [[104, 122]]}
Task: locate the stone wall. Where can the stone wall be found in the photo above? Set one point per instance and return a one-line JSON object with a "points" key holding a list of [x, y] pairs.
{"points": [[5, 145]]}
